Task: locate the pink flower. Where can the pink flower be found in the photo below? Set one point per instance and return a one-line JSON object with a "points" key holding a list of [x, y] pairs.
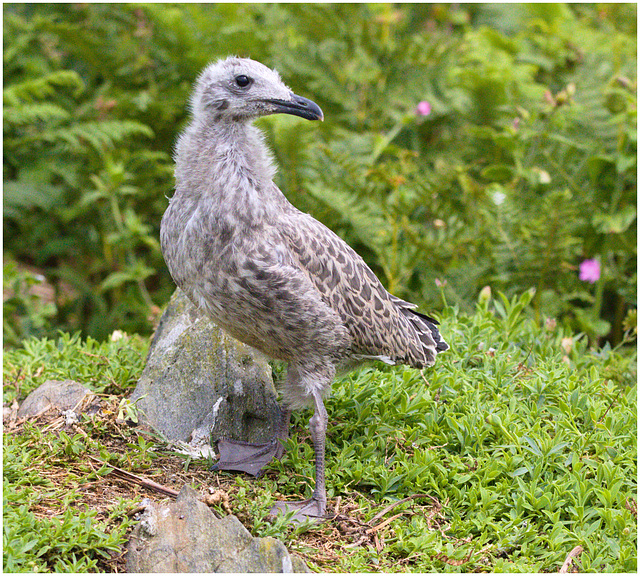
{"points": [[590, 271], [423, 108]]}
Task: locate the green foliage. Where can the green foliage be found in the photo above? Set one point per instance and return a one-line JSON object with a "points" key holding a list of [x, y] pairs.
{"points": [[72, 542], [525, 166], [525, 437], [26, 313], [78, 179]]}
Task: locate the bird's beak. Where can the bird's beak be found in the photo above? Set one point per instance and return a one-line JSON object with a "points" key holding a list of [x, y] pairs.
{"points": [[298, 106]]}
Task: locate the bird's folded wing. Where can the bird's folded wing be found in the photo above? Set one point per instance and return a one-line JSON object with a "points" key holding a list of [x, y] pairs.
{"points": [[379, 323], [278, 310]]}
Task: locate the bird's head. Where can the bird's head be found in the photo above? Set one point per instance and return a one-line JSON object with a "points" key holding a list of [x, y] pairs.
{"points": [[239, 89]]}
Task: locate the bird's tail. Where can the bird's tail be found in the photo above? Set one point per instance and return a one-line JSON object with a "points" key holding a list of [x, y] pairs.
{"points": [[426, 329], [422, 321]]}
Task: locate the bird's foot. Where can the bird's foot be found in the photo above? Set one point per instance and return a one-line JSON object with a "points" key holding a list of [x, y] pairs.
{"points": [[247, 457], [307, 510]]}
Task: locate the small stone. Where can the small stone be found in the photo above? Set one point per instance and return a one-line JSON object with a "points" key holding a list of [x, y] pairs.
{"points": [[61, 394]]}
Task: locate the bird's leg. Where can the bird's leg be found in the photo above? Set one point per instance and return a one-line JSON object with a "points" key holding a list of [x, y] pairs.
{"points": [[315, 508], [250, 457], [282, 432], [318, 426]]}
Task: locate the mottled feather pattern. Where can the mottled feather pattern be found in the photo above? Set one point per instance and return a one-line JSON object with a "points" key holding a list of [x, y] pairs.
{"points": [[379, 323], [270, 275]]}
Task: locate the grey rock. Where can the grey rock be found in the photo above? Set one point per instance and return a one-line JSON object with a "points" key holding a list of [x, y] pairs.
{"points": [[185, 536], [62, 394], [263, 555], [200, 382]]}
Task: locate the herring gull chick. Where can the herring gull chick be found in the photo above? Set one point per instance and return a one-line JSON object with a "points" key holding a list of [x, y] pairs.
{"points": [[271, 276]]}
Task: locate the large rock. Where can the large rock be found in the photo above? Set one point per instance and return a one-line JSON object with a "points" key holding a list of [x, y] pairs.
{"points": [[200, 382], [185, 536]]}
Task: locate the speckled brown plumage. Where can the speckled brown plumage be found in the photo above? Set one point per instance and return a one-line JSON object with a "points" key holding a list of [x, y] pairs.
{"points": [[272, 276]]}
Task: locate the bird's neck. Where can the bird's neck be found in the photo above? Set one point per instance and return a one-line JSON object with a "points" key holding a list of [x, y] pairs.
{"points": [[225, 164], [245, 150]]}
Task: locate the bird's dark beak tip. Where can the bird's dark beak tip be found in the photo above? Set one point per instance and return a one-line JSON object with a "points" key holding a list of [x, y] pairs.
{"points": [[298, 106]]}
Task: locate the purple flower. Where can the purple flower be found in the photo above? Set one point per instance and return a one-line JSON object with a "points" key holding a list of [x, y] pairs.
{"points": [[590, 271], [423, 108]]}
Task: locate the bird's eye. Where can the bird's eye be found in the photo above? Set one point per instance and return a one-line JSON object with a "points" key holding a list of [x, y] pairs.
{"points": [[243, 81]]}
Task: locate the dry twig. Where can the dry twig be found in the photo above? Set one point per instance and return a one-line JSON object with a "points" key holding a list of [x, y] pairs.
{"points": [[129, 477], [382, 524], [567, 563], [394, 504], [379, 542]]}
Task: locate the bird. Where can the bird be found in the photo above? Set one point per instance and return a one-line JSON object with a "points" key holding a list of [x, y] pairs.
{"points": [[271, 275]]}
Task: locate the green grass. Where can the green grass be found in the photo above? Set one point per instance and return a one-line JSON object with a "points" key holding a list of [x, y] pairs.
{"points": [[47, 524], [518, 446], [112, 367]]}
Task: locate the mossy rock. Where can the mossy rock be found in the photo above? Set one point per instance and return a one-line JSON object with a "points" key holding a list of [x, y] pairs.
{"points": [[185, 536], [199, 381]]}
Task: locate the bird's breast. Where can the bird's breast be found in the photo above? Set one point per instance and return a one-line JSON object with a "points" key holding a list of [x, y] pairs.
{"points": [[207, 253]]}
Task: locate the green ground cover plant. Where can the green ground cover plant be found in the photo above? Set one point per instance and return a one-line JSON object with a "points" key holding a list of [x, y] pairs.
{"points": [[519, 446]]}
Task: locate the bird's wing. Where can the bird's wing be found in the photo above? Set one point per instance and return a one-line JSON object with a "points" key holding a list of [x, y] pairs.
{"points": [[266, 302], [380, 324]]}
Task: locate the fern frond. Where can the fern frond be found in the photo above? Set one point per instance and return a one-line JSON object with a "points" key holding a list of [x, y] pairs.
{"points": [[98, 135], [42, 87], [25, 193], [366, 219], [23, 114]]}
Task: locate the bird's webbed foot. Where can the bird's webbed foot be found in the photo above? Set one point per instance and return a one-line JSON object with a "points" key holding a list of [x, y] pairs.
{"points": [[247, 457], [307, 510]]}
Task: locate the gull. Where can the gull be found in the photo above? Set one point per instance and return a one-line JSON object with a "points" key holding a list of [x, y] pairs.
{"points": [[270, 275]]}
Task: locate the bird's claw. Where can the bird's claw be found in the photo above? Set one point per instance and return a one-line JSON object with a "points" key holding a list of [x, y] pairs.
{"points": [[311, 510]]}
